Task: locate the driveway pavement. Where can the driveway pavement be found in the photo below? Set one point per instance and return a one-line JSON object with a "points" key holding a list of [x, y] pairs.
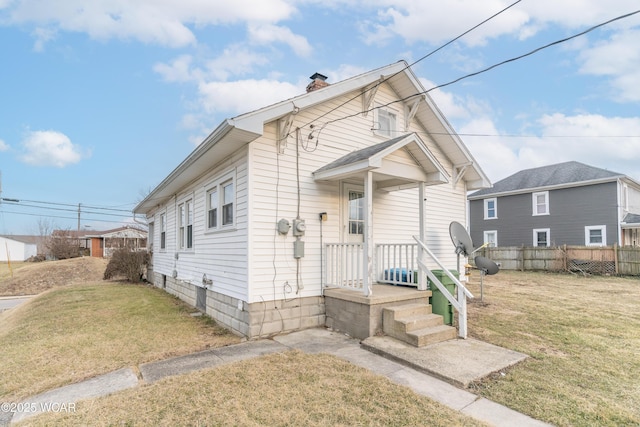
{"points": [[7, 303]]}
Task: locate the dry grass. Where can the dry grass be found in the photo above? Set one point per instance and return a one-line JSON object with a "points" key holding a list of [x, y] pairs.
{"points": [[31, 278], [72, 333], [286, 389], [7, 270], [583, 334]]}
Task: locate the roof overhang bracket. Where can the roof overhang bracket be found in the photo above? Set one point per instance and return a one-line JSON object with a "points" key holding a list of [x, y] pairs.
{"points": [[368, 94], [284, 128], [459, 171], [411, 111]]}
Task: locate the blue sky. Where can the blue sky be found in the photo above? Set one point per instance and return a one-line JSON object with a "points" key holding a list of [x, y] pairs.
{"points": [[100, 100]]}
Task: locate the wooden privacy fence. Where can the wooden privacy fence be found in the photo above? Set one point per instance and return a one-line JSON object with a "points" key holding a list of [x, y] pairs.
{"points": [[623, 260]]}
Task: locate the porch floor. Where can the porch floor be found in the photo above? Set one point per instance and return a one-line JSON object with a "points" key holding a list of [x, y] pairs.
{"points": [[381, 294]]}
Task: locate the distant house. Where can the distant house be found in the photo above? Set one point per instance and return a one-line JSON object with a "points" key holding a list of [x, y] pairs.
{"points": [[102, 244], [567, 203], [314, 199], [18, 248]]}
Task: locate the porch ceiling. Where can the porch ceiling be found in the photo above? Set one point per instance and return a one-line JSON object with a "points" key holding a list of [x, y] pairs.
{"points": [[391, 171]]}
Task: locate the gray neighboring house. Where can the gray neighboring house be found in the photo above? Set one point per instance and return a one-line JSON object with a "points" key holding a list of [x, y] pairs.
{"points": [[567, 203]]}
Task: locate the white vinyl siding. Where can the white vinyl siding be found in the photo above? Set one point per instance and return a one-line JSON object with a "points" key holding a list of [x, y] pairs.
{"points": [[540, 202], [274, 197], [221, 255], [491, 208], [266, 188]]}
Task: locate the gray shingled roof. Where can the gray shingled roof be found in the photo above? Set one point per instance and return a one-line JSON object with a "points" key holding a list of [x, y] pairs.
{"points": [[356, 156], [548, 176], [22, 238], [632, 219]]}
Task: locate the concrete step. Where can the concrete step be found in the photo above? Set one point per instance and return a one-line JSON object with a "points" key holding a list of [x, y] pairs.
{"points": [[417, 322], [406, 310], [431, 335]]}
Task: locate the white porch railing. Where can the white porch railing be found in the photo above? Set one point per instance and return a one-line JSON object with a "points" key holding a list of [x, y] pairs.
{"points": [[460, 304], [343, 265], [397, 263]]}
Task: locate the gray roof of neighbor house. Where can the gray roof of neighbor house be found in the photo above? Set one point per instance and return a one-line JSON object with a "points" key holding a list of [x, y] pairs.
{"points": [[558, 175], [23, 238], [631, 219]]}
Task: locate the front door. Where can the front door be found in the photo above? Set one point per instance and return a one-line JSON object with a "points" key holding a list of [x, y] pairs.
{"points": [[353, 213]]}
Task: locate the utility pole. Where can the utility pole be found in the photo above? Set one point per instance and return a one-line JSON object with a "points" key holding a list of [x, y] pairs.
{"points": [[78, 232]]}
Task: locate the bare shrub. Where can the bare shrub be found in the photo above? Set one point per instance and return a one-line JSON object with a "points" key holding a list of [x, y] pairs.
{"points": [[128, 264], [62, 245]]}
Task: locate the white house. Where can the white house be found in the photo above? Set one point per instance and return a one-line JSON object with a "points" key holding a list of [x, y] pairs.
{"points": [[280, 207], [17, 248]]}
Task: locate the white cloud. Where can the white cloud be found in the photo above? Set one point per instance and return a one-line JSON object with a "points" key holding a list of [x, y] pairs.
{"points": [[178, 70], [42, 36], [50, 148], [619, 59], [244, 95], [433, 21], [3, 146], [606, 142], [149, 21], [265, 34], [234, 60]]}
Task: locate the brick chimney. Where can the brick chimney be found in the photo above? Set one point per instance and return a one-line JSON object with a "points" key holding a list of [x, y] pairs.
{"points": [[318, 82]]}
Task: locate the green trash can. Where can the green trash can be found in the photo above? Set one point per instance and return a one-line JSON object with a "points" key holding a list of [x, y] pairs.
{"points": [[439, 303]]}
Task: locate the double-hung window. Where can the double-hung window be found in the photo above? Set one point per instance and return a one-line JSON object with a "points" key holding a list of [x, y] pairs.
{"points": [[540, 202], [387, 121], [212, 208], [490, 208], [490, 238], [228, 197], [189, 214], [163, 231], [541, 237], [595, 235], [221, 203], [185, 224]]}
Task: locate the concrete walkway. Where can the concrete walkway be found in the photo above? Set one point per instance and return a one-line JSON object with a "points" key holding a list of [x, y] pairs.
{"points": [[7, 303], [309, 341]]}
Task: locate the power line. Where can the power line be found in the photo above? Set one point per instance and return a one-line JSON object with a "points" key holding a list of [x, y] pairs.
{"points": [[415, 62], [627, 15], [531, 52], [16, 200], [11, 203], [60, 217], [507, 135]]}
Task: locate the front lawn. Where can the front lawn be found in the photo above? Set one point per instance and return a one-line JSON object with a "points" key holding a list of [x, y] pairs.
{"points": [[583, 336]]}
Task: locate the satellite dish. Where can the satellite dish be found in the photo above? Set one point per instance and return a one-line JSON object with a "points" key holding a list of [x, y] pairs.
{"points": [[461, 239], [486, 265]]}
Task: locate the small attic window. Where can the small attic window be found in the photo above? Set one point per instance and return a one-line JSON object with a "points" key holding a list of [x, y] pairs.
{"points": [[386, 122]]}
